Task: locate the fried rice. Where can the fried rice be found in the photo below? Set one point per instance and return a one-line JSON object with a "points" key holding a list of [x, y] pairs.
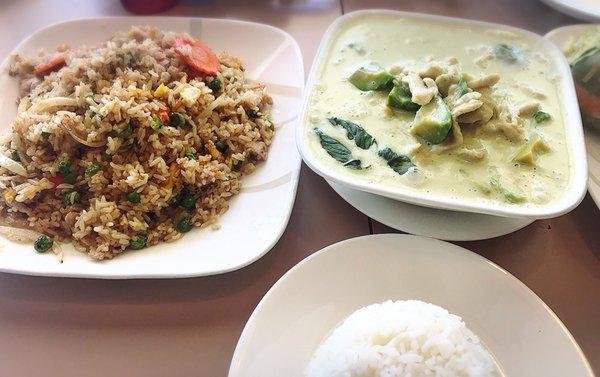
{"points": [[124, 145]]}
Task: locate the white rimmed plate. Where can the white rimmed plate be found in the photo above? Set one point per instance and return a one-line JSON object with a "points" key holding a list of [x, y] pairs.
{"points": [[256, 218], [522, 333], [573, 130], [429, 222], [560, 36], [588, 10]]}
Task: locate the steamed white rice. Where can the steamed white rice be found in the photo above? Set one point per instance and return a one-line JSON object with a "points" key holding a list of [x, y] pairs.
{"points": [[402, 338]]}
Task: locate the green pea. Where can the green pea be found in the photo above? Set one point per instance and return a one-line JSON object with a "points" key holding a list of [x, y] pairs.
{"points": [[177, 119], [139, 242], [15, 156], [133, 197], [190, 155], [252, 113], [92, 169], [188, 202], [215, 84], [184, 225], [155, 122], [69, 178], [71, 197], [43, 243], [64, 167], [221, 146]]}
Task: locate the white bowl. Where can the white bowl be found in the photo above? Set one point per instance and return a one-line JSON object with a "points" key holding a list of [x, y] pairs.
{"points": [[573, 130], [257, 216], [311, 299]]}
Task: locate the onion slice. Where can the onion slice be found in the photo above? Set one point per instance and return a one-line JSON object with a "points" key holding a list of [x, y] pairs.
{"points": [[12, 165], [69, 129], [18, 234], [50, 103]]}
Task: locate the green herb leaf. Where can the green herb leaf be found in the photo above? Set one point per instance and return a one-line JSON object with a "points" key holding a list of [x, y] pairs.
{"points": [[338, 150], [507, 53], [398, 162], [361, 138], [541, 116]]}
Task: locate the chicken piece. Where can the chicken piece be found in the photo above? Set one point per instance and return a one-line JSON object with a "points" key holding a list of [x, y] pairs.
{"points": [[528, 109], [466, 103], [258, 150], [472, 154], [432, 71], [422, 90], [482, 115], [483, 82]]}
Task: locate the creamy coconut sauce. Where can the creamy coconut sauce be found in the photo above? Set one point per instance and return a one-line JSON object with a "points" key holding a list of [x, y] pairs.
{"points": [[391, 43]]}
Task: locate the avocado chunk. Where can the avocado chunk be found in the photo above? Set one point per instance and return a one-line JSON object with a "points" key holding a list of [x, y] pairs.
{"points": [[400, 98], [528, 153], [371, 78], [510, 196], [432, 121]]}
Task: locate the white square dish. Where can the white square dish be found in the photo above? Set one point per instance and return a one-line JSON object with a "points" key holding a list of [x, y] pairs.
{"points": [[568, 106], [257, 216]]}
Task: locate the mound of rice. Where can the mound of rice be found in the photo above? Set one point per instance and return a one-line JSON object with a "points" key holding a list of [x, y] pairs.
{"points": [[401, 338], [134, 180]]}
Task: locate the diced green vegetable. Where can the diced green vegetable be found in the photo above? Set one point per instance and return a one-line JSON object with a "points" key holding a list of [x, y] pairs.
{"points": [[400, 98], [338, 150], [190, 155], [155, 122], [184, 225], [46, 134], [463, 88], [139, 242], [361, 138], [508, 195], [43, 243], [133, 197], [63, 167], [221, 146], [399, 163], [177, 119], [14, 155], [188, 201], [371, 78], [71, 197], [128, 58], [541, 116], [528, 153], [433, 121], [215, 84], [126, 129], [70, 178], [92, 169], [507, 53]]}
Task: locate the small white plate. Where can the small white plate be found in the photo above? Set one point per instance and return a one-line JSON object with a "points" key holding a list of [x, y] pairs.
{"points": [[588, 10], [573, 133], [560, 37], [298, 312], [429, 222], [256, 218]]}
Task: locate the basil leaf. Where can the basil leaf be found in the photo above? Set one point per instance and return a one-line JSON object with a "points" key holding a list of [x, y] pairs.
{"points": [[338, 150], [354, 164], [509, 54], [361, 138], [398, 162]]}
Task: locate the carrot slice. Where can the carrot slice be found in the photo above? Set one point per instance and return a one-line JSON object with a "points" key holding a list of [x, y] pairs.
{"points": [[50, 65], [197, 55], [163, 115]]}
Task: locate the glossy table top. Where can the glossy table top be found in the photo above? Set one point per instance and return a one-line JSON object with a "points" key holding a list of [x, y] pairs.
{"points": [[74, 327]]}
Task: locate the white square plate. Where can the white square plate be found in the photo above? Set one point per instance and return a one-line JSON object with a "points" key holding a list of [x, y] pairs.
{"points": [[257, 216]]}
